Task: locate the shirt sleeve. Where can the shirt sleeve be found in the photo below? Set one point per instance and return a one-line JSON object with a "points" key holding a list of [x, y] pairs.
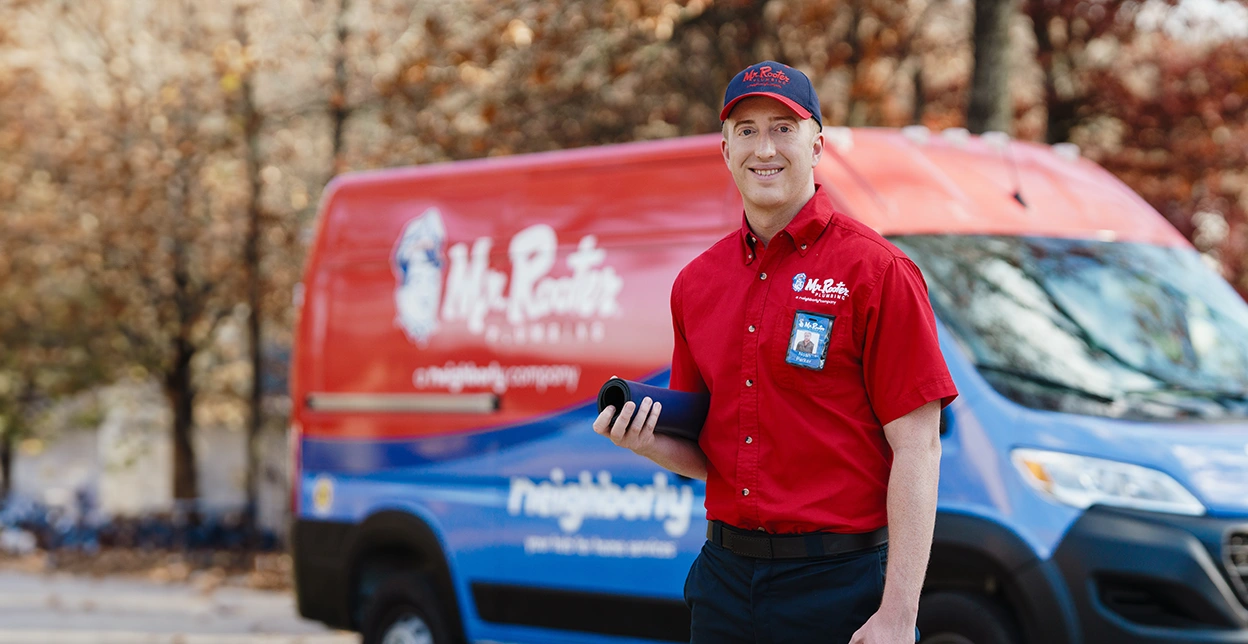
{"points": [[685, 373], [902, 364]]}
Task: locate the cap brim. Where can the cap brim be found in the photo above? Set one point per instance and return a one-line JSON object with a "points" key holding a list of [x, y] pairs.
{"points": [[788, 102]]}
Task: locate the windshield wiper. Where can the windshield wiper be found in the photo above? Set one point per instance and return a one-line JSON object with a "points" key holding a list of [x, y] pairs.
{"points": [[1041, 380], [1216, 395]]}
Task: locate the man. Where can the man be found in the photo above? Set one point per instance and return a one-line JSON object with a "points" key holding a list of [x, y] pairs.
{"points": [[820, 468], [805, 345]]}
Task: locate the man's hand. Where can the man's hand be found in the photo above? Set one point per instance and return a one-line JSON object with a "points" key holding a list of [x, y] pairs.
{"points": [[634, 433], [885, 628], [681, 456]]}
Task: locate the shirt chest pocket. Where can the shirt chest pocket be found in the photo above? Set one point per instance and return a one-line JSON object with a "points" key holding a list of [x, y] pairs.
{"points": [[811, 350]]}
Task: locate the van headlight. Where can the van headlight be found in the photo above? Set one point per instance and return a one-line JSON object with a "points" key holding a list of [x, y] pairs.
{"points": [[1082, 481]]}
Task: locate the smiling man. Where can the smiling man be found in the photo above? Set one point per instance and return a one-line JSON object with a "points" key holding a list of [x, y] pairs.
{"points": [[812, 459]]}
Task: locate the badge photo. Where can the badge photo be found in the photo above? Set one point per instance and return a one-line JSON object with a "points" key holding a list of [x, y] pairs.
{"points": [[808, 341]]}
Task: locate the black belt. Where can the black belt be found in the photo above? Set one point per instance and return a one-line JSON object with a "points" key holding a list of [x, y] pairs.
{"points": [[761, 545]]}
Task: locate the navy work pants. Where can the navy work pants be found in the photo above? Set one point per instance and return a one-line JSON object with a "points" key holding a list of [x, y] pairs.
{"points": [[742, 600]]}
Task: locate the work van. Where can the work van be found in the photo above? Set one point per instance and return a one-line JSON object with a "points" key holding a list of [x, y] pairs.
{"points": [[458, 320]]}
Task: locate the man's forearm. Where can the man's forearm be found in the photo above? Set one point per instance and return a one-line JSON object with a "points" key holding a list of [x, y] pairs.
{"points": [[912, 483], [912, 487], [678, 455]]}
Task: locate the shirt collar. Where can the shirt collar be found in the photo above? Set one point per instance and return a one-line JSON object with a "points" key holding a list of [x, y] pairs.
{"points": [[804, 229]]}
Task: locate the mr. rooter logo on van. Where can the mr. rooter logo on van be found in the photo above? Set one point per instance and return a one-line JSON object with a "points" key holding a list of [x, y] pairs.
{"points": [[522, 302]]}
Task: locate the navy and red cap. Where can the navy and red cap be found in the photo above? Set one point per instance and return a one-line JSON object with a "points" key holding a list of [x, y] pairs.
{"points": [[774, 80]]}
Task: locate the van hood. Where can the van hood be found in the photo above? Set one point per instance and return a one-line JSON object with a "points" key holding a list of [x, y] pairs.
{"points": [[1213, 463]]}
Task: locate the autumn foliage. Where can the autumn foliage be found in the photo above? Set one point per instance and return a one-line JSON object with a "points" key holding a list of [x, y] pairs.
{"points": [[143, 146]]}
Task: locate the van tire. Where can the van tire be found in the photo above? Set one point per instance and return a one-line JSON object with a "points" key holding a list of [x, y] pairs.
{"points": [[405, 610], [964, 618]]}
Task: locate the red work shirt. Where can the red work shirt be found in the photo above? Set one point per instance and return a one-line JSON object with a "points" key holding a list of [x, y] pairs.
{"points": [[808, 347]]}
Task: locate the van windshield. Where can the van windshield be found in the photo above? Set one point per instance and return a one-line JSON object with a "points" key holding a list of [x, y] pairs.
{"points": [[1123, 330]]}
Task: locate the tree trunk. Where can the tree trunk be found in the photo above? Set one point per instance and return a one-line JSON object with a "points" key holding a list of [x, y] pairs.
{"points": [[14, 428], [856, 109], [338, 110], [251, 260], [989, 108], [179, 387], [735, 54], [6, 462], [1061, 113], [920, 96], [181, 395]]}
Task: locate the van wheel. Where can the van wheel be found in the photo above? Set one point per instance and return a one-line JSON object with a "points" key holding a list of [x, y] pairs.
{"points": [[964, 618], [404, 611]]}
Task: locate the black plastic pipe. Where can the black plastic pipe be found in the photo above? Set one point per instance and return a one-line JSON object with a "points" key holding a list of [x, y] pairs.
{"points": [[682, 415]]}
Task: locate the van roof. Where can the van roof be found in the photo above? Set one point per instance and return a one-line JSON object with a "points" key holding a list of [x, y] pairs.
{"points": [[914, 182], [899, 182]]}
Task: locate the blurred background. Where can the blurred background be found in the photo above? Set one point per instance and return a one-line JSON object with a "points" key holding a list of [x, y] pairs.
{"points": [[161, 163]]}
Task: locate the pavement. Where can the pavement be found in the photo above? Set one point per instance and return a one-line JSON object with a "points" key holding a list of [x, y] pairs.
{"points": [[67, 609]]}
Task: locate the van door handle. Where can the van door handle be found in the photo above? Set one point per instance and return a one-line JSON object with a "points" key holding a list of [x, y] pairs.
{"points": [[404, 403]]}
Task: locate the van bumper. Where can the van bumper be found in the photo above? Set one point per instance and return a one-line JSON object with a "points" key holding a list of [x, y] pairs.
{"points": [[320, 570], [1146, 577]]}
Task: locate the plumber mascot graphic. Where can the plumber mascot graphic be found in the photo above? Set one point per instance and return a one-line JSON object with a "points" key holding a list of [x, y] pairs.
{"points": [[418, 263]]}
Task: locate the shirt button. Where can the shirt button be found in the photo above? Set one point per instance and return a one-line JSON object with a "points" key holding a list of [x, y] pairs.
{"points": [[751, 328], [749, 383], [749, 439], [745, 492], [762, 276], [803, 246]]}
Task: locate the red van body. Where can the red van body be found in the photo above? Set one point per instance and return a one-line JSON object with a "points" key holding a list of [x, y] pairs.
{"points": [[458, 320], [651, 207]]}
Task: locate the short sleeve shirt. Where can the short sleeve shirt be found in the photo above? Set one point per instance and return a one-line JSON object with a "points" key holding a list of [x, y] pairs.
{"points": [[808, 347]]}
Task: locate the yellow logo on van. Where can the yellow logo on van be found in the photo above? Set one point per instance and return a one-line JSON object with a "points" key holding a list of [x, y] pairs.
{"points": [[322, 495]]}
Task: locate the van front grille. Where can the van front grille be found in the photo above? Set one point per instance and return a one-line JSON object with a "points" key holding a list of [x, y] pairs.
{"points": [[1159, 602], [1235, 556]]}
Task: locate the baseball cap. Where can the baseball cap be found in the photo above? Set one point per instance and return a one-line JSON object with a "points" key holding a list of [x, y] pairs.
{"points": [[778, 81]]}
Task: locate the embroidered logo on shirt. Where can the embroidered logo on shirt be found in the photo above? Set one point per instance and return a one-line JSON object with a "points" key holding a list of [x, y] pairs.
{"points": [[808, 341], [819, 291]]}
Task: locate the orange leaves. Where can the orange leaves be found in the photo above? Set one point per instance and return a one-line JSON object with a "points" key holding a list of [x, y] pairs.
{"points": [[1184, 146], [138, 118]]}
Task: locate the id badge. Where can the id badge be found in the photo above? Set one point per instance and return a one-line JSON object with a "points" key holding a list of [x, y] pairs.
{"points": [[808, 342]]}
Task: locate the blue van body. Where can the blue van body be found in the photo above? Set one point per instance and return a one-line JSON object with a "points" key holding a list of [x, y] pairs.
{"points": [[542, 531]]}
